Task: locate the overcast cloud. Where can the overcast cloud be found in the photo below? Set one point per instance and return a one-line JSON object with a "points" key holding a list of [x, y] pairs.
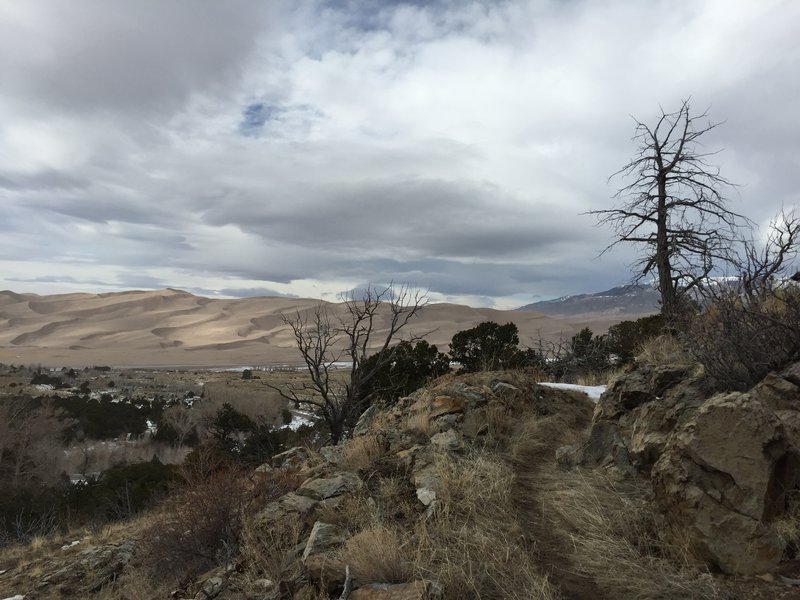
{"points": [[304, 148]]}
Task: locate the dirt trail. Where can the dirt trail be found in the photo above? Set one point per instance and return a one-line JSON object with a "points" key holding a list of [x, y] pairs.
{"points": [[551, 551]]}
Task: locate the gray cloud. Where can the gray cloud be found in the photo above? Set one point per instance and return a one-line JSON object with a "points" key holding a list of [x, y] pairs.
{"points": [[149, 56], [303, 148]]}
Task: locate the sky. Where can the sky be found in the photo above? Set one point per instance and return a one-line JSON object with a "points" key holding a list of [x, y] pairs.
{"points": [[304, 148]]}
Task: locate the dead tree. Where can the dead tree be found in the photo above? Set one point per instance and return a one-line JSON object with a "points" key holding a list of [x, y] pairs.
{"points": [[761, 268], [674, 208], [371, 323]]}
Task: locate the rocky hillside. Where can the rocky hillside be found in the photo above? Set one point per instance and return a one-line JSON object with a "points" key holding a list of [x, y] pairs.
{"points": [[480, 486]]}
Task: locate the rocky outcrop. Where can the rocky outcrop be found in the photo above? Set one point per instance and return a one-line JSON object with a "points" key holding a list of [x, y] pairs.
{"points": [[92, 569], [634, 418], [721, 465], [322, 488], [720, 482]]}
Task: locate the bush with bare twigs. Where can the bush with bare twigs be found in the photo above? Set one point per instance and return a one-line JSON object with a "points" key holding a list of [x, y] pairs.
{"points": [[740, 338], [199, 525]]}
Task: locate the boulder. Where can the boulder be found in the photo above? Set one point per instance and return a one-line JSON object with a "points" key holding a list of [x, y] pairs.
{"points": [[473, 396], [448, 441], [635, 417], [211, 588], [641, 385], [475, 423], [93, 568], [287, 506], [443, 405], [364, 421], [426, 480], [293, 458], [721, 480], [501, 388], [604, 449], [322, 488], [319, 557]]}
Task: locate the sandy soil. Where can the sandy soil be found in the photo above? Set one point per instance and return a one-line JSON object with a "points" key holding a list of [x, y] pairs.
{"points": [[175, 328]]}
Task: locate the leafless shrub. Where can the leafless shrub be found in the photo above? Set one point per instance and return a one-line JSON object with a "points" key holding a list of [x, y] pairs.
{"points": [[200, 523], [270, 552], [740, 338]]}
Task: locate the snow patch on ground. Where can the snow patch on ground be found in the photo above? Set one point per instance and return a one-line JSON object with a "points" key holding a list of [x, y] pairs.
{"points": [[593, 391], [70, 545], [298, 420]]}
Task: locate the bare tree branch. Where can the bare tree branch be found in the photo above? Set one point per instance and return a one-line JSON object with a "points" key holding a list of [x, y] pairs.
{"points": [[674, 208], [324, 342]]}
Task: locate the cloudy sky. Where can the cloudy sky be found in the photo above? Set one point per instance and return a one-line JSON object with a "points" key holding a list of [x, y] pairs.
{"points": [[308, 147]]}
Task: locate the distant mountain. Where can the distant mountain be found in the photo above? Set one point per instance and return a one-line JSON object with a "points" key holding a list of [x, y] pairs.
{"points": [[624, 301], [175, 328]]}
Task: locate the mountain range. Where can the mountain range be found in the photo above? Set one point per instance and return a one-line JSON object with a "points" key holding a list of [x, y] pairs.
{"points": [[628, 301]]}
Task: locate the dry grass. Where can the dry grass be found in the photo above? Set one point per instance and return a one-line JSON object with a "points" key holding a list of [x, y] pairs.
{"points": [[787, 526], [362, 452], [350, 512], [611, 531], [598, 377], [664, 350], [269, 553], [599, 537], [419, 423], [472, 544], [499, 420], [378, 554]]}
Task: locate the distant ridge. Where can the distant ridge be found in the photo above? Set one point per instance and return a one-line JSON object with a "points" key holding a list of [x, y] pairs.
{"points": [[623, 301], [174, 328]]}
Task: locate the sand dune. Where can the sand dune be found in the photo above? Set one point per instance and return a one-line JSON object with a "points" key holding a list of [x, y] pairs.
{"points": [[175, 328]]}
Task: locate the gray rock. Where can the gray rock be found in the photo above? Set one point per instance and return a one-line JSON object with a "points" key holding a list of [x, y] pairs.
{"points": [[501, 388], [287, 506], [293, 458], [211, 588], [364, 421], [449, 441], [319, 557], [327, 487], [91, 570], [332, 454]]}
